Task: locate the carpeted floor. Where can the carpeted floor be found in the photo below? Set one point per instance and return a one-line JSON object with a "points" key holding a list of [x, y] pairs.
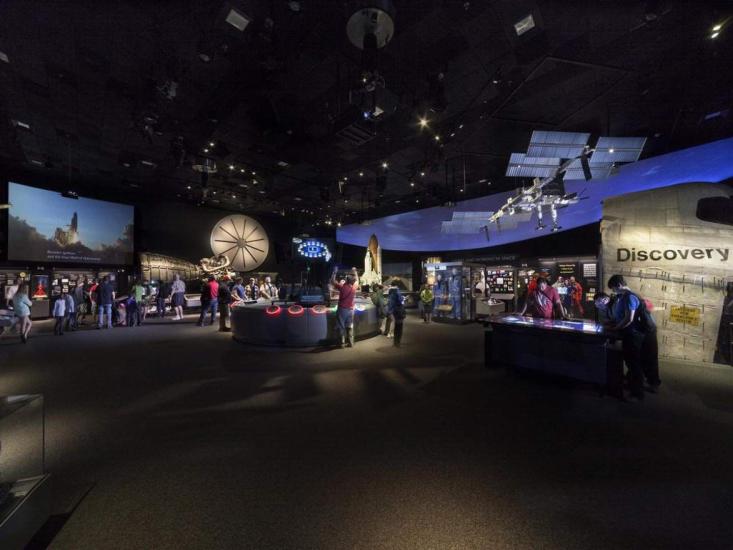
{"points": [[182, 438]]}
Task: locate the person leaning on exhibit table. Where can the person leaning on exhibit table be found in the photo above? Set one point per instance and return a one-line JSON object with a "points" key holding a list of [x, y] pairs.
{"points": [[632, 320], [543, 302]]}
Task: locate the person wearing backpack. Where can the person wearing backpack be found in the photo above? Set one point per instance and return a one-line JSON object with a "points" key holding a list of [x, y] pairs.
{"points": [[633, 321]]}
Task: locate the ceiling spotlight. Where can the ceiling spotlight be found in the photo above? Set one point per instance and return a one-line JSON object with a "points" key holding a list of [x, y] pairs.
{"points": [[231, 167], [714, 35], [717, 27], [211, 144], [460, 126], [611, 150], [241, 170], [206, 150], [423, 122], [254, 173], [412, 184], [422, 174], [339, 224], [188, 187], [437, 137], [385, 165], [361, 174]]}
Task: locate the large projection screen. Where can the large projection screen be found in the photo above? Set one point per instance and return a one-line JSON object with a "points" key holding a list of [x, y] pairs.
{"points": [[44, 226]]}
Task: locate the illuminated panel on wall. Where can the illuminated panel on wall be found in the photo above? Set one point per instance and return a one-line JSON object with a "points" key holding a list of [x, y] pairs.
{"points": [[420, 230]]}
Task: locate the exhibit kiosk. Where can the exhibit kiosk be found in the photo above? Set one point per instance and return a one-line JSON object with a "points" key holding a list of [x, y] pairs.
{"points": [[298, 324]]}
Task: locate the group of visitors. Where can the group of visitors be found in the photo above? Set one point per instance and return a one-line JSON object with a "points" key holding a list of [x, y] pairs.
{"points": [[571, 295], [218, 297]]}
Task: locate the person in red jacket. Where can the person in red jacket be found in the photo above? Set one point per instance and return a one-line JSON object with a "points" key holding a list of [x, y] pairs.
{"points": [[576, 295]]}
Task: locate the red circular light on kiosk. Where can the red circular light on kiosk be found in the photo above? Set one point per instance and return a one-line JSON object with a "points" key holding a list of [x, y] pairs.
{"points": [[319, 309], [295, 310], [273, 311]]}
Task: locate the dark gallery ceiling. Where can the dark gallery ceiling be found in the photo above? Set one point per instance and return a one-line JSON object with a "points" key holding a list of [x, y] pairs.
{"points": [[123, 99]]}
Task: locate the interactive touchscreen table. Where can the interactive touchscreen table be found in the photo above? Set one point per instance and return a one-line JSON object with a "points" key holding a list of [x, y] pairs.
{"points": [[574, 349]]}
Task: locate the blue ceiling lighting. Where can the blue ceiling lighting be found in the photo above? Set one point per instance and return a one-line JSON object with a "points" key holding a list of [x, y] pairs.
{"points": [[420, 230]]}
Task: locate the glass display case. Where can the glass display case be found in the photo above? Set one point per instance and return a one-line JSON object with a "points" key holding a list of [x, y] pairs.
{"points": [[24, 487], [456, 287]]}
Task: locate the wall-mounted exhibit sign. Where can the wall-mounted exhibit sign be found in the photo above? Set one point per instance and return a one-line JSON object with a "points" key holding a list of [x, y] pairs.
{"points": [[242, 240], [673, 246]]}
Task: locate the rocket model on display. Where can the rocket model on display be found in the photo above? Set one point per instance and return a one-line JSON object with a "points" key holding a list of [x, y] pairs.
{"points": [[69, 236], [372, 263]]}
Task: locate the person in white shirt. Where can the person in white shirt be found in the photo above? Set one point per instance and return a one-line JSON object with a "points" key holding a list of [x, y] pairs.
{"points": [[268, 291], [70, 312], [59, 313]]}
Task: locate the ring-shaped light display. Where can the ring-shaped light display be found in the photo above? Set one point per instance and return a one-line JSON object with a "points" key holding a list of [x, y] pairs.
{"points": [[311, 248], [273, 311], [296, 310]]}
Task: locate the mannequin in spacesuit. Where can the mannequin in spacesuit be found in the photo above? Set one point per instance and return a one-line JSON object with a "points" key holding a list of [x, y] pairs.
{"points": [[439, 293], [455, 289]]}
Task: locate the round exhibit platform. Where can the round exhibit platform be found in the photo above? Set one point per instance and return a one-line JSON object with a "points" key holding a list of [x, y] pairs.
{"points": [[289, 324]]}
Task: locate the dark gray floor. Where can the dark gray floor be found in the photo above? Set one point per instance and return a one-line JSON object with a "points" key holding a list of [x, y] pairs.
{"points": [[190, 440]]}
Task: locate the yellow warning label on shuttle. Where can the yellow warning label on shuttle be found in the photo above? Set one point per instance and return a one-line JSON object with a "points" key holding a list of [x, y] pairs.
{"points": [[685, 314]]}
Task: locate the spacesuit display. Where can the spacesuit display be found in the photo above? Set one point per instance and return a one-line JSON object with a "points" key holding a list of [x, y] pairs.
{"points": [[455, 291], [439, 293]]}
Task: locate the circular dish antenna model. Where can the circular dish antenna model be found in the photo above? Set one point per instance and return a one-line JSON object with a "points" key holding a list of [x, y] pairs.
{"points": [[241, 239]]}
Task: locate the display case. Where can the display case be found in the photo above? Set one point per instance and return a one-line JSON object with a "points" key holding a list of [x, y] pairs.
{"points": [[24, 487], [456, 287], [9, 282]]}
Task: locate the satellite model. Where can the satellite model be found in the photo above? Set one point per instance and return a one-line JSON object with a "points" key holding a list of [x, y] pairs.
{"points": [[70, 235], [551, 158]]}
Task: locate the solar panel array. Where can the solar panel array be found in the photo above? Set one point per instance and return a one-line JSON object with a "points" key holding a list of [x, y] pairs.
{"points": [[597, 170], [465, 222], [563, 145], [617, 149], [524, 166], [547, 150]]}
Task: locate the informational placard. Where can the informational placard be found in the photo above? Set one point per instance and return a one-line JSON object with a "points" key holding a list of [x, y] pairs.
{"points": [[688, 315], [589, 271], [566, 269]]}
